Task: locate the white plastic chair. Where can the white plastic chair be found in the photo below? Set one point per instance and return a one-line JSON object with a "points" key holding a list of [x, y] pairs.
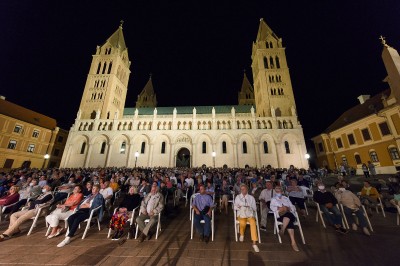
{"points": [[236, 225], [378, 205], [320, 215], [92, 216], [297, 223], [65, 224], [5, 207], [190, 206], [346, 224], [36, 217], [130, 220], [398, 214], [148, 220], [202, 222]]}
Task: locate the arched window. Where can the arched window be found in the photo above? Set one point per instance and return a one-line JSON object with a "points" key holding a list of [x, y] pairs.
{"points": [[143, 148], [104, 68], [224, 147], [374, 156], [278, 65], [163, 147], [265, 62], [204, 147], [98, 68], [244, 144], [394, 153], [103, 147], [270, 45], [287, 147], [83, 147], [271, 62], [265, 147], [123, 147], [358, 159], [266, 44], [109, 68]]}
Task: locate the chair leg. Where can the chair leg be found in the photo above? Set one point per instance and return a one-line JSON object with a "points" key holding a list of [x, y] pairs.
{"points": [[137, 229], [86, 229], [33, 225], [366, 217]]}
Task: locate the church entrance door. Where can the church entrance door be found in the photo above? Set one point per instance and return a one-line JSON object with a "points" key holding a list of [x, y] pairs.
{"points": [[183, 158]]}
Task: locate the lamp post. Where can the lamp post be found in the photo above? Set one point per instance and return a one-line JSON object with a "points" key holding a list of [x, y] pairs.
{"points": [[136, 156], [46, 157], [307, 156], [213, 155]]}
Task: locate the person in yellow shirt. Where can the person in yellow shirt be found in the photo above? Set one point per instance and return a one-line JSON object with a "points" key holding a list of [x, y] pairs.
{"points": [[114, 185], [369, 195]]}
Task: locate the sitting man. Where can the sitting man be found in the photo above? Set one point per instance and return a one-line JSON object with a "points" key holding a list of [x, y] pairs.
{"points": [[83, 212], [63, 191], [369, 196], [107, 193], [150, 208], [203, 206], [327, 203], [20, 217], [245, 205], [32, 190], [265, 200], [351, 204], [296, 196]]}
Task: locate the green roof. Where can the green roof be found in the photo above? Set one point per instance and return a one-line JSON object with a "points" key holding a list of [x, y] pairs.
{"points": [[221, 109]]}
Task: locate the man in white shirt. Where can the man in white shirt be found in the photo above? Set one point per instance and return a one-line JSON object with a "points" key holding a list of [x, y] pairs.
{"points": [[245, 206], [265, 199], [107, 193]]}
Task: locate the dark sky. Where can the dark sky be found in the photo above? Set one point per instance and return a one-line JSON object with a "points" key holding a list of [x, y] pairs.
{"points": [[196, 50]]}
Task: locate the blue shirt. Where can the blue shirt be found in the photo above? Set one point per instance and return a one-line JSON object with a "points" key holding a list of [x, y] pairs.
{"points": [[201, 201]]}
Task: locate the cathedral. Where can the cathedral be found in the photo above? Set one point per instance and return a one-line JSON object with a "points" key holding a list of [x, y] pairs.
{"points": [[262, 129]]}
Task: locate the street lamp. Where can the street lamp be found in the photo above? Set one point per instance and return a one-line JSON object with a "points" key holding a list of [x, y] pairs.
{"points": [[136, 156], [46, 157], [307, 156], [213, 155]]}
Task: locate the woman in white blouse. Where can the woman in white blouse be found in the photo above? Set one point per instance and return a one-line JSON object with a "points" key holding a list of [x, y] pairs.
{"points": [[284, 209], [245, 205]]}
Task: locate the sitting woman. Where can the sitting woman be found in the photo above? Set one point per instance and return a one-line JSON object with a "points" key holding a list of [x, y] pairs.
{"points": [[285, 209], [63, 211], [226, 195], [11, 197], [296, 196], [118, 220]]}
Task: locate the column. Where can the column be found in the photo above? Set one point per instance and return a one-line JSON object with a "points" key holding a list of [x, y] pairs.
{"points": [[109, 154], [88, 155]]}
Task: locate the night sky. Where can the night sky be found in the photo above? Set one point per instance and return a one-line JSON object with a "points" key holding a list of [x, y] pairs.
{"points": [[196, 51]]}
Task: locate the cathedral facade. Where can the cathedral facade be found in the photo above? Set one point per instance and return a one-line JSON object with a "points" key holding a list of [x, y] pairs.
{"points": [[263, 129]]}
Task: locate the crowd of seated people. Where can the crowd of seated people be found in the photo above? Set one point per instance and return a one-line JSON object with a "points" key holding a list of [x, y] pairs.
{"points": [[138, 187]]}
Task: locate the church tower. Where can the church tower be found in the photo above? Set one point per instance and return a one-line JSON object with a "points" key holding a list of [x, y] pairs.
{"points": [[246, 93], [107, 82], [272, 85], [147, 98]]}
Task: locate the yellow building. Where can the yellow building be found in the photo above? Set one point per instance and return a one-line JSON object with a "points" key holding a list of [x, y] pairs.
{"points": [[369, 131], [26, 137]]}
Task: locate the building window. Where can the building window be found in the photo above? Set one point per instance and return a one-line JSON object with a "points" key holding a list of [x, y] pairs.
{"points": [[143, 148], [287, 147], [244, 144], [163, 147], [35, 134], [394, 153], [83, 147], [265, 147], [224, 147], [18, 129], [384, 129], [366, 134], [204, 147], [339, 143], [60, 139], [320, 147], [31, 148], [123, 148], [103, 147], [352, 141], [373, 156], [12, 144], [56, 152], [358, 158]]}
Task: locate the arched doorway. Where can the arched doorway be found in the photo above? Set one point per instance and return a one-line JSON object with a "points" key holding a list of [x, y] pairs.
{"points": [[183, 158]]}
